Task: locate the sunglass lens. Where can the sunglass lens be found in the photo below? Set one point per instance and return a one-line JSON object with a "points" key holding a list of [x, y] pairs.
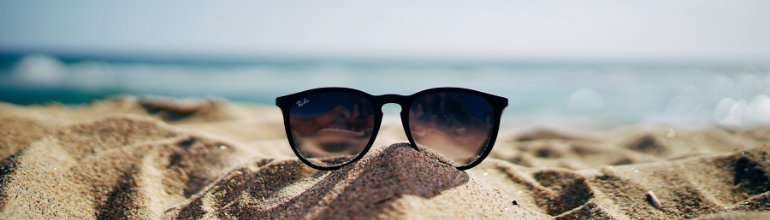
{"points": [[453, 125], [331, 128]]}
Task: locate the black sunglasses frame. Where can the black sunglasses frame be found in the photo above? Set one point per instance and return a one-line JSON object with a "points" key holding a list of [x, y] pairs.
{"points": [[498, 103]]}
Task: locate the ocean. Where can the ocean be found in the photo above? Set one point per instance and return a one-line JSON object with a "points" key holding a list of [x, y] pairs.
{"points": [[551, 93]]}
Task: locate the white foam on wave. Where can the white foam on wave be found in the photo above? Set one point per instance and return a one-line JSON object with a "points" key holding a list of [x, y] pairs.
{"points": [[743, 113], [585, 101], [39, 70]]}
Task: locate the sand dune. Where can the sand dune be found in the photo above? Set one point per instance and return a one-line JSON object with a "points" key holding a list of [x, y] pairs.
{"points": [[157, 158]]}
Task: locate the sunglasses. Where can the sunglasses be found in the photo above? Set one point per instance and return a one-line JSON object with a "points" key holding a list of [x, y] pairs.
{"points": [[328, 128]]}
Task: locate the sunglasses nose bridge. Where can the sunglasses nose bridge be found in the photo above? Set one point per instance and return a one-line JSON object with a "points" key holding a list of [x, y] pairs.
{"points": [[392, 98]]}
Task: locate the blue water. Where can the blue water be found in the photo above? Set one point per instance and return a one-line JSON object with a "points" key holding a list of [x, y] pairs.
{"points": [[582, 94]]}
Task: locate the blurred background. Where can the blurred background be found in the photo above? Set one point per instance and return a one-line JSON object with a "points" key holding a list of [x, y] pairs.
{"points": [[576, 63]]}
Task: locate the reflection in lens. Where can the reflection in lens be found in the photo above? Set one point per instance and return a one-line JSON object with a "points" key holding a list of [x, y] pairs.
{"points": [[331, 128], [453, 125]]}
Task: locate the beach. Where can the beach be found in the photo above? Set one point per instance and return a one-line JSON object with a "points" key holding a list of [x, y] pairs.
{"points": [[164, 158]]}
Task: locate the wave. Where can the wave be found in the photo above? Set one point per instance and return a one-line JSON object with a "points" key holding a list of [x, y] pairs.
{"points": [[735, 96]]}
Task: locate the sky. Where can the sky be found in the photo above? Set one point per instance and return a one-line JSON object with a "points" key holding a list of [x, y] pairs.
{"points": [[656, 30]]}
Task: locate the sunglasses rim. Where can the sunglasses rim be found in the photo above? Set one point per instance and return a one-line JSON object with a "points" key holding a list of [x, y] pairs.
{"points": [[285, 103]]}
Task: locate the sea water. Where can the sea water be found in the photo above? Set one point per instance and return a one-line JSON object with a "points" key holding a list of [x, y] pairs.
{"points": [[572, 94]]}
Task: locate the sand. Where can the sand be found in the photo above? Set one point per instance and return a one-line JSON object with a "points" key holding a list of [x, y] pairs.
{"points": [[160, 158]]}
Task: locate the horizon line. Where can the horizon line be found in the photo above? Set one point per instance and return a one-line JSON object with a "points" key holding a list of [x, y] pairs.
{"points": [[272, 57]]}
